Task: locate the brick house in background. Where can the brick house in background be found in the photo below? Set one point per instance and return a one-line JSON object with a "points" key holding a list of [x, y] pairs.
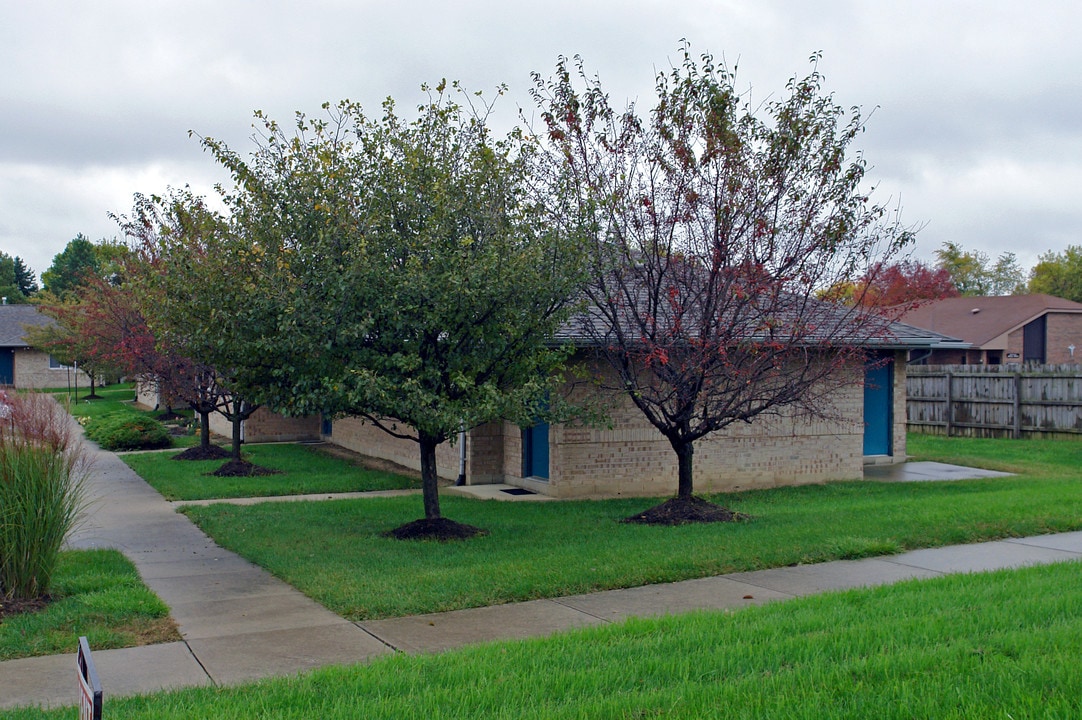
{"points": [[21, 365], [1002, 329]]}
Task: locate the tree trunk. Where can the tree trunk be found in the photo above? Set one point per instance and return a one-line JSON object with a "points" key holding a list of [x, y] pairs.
{"points": [[684, 454], [204, 429], [237, 422], [429, 479]]}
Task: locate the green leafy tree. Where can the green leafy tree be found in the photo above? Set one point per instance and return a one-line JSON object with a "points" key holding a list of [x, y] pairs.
{"points": [[17, 282], [80, 260], [414, 278], [197, 300], [712, 228], [1058, 274], [974, 273], [69, 266]]}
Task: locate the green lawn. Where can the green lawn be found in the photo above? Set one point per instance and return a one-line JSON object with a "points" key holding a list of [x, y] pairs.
{"points": [[334, 551], [999, 645], [96, 593], [304, 469], [1035, 458]]}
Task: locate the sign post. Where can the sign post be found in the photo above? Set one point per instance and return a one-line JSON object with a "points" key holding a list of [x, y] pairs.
{"points": [[89, 685]]}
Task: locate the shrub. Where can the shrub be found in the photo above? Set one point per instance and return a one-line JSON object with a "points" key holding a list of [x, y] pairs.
{"points": [[123, 431], [42, 469]]}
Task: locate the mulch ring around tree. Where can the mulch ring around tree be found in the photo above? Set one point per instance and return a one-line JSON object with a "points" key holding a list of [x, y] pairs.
{"points": [[11, 608], [440, 529], [680, 511], [212, 452], [243, 468]]}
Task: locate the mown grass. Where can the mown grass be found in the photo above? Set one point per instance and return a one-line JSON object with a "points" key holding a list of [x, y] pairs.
{"points": [[304, 469], [997, 645], [335, 551], [96, 593], [1034, 458]]}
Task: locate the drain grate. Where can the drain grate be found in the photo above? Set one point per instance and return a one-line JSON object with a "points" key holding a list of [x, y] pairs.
{"points": [[518, 491]]}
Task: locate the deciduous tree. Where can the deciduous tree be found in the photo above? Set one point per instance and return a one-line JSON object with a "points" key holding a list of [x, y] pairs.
{"points": [[416, 283], [905, 283], [195, 298], [1058, 274], [974, 273], [713, 226]]}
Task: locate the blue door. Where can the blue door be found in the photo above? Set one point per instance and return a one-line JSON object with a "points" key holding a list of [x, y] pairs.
{"points": [[7, 367], [535, 451], [878, 406]]}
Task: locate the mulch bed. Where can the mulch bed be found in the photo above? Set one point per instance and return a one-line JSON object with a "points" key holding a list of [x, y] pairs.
{"points": [[11, 608], [680, 511], [440, 529], [200, 453], [243, 468]]}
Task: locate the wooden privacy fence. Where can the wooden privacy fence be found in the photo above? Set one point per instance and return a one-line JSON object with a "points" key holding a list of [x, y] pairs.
{"points": [[994, 400]]}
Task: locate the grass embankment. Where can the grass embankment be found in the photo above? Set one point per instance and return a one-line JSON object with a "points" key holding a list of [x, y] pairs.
{"points": [[304, 469], [998, 645], [96, 593], [334, 551]]}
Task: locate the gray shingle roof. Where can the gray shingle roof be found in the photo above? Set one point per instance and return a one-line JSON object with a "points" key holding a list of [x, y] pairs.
{"points": [[13, 322], [588, 327]]}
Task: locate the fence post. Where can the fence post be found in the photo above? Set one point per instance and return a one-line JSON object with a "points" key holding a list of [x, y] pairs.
{"points": [[1017, 405], [950, 401]]}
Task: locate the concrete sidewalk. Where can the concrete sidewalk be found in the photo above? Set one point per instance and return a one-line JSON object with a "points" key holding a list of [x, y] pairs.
{"points": [[240, 623]]}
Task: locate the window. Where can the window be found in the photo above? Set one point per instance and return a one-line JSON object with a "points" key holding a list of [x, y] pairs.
{"points": [[55, 364]]}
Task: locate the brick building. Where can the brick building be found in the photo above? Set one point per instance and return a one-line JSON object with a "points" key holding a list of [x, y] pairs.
{"points": [[631, 458], [1002, 329], [21, 365]]}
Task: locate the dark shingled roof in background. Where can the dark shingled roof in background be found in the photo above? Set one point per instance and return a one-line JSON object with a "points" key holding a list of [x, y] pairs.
{"points": [[14, 318], [586, 326], [994, 315]]}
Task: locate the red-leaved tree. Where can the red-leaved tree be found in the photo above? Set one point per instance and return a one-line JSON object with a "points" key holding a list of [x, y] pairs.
{"points": [[712, 231], [904, 284]]}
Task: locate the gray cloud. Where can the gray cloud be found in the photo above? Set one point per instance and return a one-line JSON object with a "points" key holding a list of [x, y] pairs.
{"points": [[974, 129]]}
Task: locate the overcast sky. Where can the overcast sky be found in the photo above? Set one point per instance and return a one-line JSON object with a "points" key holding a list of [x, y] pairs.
{"points": [[977, 128]]}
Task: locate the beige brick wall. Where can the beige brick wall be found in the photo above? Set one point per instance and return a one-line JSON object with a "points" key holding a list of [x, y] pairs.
{"points": [[898, 449], [364, 437], [632, 458], [146, 394], [32, 371], [267, 426]]}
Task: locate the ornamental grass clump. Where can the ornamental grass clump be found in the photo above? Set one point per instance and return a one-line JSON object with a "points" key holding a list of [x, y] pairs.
{"points": [[42, 470]]}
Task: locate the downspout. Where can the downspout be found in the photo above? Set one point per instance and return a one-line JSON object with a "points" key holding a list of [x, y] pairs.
{"points": [[927, 354], [461, 456]]}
